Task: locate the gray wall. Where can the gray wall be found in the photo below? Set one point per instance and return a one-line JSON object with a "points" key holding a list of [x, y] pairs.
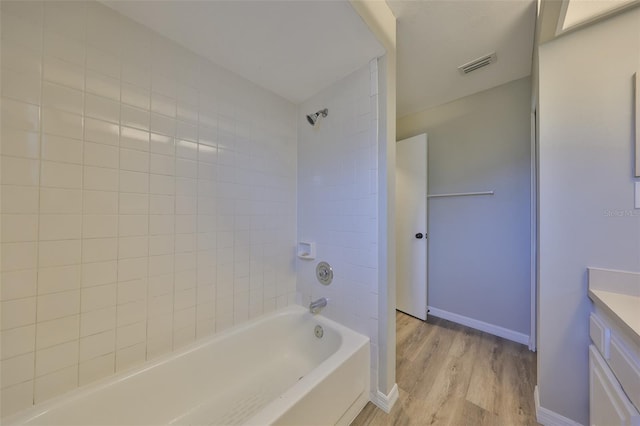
{"points": [[586, 104], [479, 247]]}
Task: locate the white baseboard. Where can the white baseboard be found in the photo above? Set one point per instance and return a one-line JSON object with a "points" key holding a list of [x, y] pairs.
{"points": [[550, 418], [496, 330], [386, 402]]}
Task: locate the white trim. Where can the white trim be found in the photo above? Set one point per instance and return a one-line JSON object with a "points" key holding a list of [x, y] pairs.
{"points": [[534, 235], [460, 194], [550, 418], [496, 330], [386, 402]]}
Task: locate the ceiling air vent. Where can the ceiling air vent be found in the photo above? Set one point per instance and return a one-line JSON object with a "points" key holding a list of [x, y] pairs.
{"points": [[478, 63]]}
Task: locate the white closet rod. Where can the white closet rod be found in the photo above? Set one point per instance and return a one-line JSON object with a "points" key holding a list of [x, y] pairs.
{"points": [[460, 194]]}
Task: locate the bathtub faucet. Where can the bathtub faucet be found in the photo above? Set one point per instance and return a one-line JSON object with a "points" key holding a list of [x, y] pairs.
{"points": [[317, 305]]}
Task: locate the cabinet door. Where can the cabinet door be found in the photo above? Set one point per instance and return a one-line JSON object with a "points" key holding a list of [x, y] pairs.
{"points": [[609, 405]]}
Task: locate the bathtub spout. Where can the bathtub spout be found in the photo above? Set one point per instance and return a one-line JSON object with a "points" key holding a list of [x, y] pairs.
{"points": [[317, 305]]}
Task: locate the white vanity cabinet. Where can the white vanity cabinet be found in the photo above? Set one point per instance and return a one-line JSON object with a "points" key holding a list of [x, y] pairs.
{"points": [[609, 404], [614, 353]]}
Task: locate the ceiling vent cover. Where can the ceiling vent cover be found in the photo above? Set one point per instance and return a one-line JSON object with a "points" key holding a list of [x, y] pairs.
{"points": [[478, 63]]}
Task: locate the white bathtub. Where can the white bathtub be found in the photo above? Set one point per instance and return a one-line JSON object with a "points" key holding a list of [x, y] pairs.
{"points": [[272, 370]]}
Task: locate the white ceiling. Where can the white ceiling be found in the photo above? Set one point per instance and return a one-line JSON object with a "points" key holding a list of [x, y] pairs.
{"points": [[580, 11], [437, 36], [293, 48]]}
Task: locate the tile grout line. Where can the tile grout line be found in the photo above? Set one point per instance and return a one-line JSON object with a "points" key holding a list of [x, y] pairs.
{"points": [[35, 338]]}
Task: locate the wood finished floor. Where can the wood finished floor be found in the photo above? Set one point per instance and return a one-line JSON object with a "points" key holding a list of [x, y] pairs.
{"points": [[448, 374]]}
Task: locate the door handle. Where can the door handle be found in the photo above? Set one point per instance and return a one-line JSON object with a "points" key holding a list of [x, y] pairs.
{"points": [[419, 235]]}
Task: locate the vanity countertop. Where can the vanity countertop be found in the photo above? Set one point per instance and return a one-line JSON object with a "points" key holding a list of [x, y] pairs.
{"points": [[618, 294]]}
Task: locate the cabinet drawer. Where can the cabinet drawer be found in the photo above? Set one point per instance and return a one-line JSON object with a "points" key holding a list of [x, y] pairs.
{"points": [[600, 335], [626, 368], [608, 403]]}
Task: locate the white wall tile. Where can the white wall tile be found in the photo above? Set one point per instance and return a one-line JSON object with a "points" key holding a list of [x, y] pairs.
{"points": [[98, 297], [186, 148], [19, 227], [20, 171], [164, 105], [162, 143], [62, 97], [100, 28], [162, 164], [158, 345], [20, 115], [58, 278], [17, 369], [66, 18], [131, 334], [161, 264], [55, 383], [161, 184], [132, 160], [99, 249], [62, 72], [19, 199], [132, 312], [16, 398], [58, 305], [97, 345], [101, 108], [99, 226], [134, 138], [185, 224], [101, 179], [97, 321], [135, 95], [21, 86], [64, 150], [101, 131], [101, 155], [17, 341], [133, 246], [134, 117], [161, 244], [131, 203], [132, 225], [133, 291], [186, 168], [19, 59], [56, 358], [59, 201], [17, 256], [99, 273], [162, 125], [161, 204], [130, 356], [102, 85], [99, 202], [58, 253], [136, 74], [60, 226], [61, 175], [129, 269], [18, 312], [108, 224], [96, 368], [103, 62]]}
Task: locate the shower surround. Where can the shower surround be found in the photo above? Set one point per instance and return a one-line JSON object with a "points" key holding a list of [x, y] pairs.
{"points": [[148, 198], [338, 203]]}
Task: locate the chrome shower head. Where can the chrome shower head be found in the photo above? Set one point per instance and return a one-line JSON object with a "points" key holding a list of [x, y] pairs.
{"points": [[313, 118]]}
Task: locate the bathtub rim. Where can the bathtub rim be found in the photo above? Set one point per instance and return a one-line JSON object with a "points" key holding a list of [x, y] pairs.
{"points": [[353, 342]]}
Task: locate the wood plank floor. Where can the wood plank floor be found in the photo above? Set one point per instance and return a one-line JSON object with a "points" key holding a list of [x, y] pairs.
{"points": [[448, 374]]}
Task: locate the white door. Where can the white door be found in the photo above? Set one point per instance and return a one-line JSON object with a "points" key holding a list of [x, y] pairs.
{"points": [[411, 226]]}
